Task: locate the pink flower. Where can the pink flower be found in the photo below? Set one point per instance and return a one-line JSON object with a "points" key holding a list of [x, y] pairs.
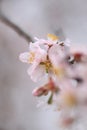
{"points": [[35, 56], [67, 73], [44, 56]]}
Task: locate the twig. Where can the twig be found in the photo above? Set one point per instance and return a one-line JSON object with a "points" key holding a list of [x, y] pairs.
{"points": [[16, 28]]}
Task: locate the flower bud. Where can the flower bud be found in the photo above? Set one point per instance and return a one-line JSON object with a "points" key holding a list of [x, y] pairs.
{"points": [[40, 91]]}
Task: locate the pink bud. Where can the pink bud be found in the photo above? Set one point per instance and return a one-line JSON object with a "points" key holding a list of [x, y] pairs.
{"points": [[40, 91]]}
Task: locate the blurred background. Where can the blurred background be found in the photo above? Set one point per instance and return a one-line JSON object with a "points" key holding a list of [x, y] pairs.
{"points": [[66, 18]]}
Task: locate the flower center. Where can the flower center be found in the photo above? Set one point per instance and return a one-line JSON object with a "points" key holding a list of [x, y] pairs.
{"points": [[47, 65]]}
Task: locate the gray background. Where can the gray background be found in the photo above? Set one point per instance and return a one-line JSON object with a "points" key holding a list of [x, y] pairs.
{"points": [[37, 17]]}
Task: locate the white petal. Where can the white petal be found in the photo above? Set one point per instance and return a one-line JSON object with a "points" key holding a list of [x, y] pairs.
{"points": [[33, 46], [32, 68], [36, 73], [67, 42], [55, 54], [24, 57], [36, 38]]}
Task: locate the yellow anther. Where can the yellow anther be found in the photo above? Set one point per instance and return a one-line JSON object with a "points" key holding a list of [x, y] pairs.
{"points": [[52, 37], [32, 57], [47, 65]]}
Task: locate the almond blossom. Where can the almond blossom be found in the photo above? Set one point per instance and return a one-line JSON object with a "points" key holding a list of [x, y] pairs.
{"points": [[41, 58], [67, 77]]}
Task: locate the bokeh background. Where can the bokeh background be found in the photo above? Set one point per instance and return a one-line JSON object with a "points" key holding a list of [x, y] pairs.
{"points": [[68, 18]]}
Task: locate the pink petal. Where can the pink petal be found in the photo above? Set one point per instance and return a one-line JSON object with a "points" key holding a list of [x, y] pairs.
{"points": [[36, 73]]}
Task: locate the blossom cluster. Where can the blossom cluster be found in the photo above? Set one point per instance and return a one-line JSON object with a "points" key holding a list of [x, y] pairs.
{"points": [[67, 76]]}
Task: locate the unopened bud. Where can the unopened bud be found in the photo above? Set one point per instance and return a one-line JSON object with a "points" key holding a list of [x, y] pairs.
{"points": [[40, 91]]}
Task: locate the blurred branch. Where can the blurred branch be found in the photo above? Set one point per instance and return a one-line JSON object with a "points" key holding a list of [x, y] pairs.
{"points": [[15, 27]]}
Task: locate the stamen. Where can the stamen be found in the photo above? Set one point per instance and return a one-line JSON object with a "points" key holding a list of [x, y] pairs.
{"points": [[52, 37], [32, 57]]}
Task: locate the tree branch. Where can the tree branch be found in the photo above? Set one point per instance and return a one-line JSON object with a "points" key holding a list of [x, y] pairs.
{"points": [[16, 28]]}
